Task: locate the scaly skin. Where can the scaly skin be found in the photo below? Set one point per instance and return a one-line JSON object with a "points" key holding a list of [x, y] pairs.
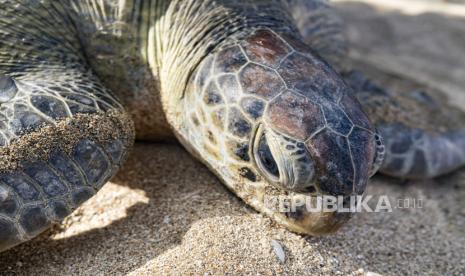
{"points": [[62, 133]]}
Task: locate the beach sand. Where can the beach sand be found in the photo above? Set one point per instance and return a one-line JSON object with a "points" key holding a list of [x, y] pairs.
{"points": [[165, 213]]}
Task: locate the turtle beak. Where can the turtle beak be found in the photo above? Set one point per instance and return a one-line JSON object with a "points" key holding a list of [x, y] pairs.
{"points": [[343, 164]]}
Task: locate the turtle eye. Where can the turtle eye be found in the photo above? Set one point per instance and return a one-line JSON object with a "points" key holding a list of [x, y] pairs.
{"points": [[265, 159]]}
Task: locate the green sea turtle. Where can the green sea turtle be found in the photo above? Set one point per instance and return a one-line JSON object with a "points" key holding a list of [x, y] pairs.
{"points": [[246, 86]]}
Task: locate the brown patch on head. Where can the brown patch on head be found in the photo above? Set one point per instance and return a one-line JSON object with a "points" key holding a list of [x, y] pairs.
{"points": [[296, 69], [261, 81], [265, 47], [295, 115]]}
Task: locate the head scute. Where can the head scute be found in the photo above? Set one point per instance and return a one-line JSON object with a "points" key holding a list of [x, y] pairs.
{"points": [[293, 109]]}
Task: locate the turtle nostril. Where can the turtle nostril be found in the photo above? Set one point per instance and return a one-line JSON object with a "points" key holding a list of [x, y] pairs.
{"points": [[266, 158]]}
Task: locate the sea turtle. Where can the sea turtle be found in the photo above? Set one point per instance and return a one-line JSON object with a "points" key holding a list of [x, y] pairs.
{"points": [[246, 86]]}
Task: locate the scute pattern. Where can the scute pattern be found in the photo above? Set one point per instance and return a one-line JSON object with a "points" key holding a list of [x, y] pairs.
{"points": [[359, 141], [93, 161], [311, 77], [271, 86], [295, 115], [43, 192], [230, 60], [24, 187], [409, 151], [41, 104], [285, 85], [253, 107], [234, 89], [266, 48], [230, 87], [354, 110], [46, 178], [67, 169], [9, 236], [8, 89], [337, 120], [423, 135], [335, 160], [238, 125]]}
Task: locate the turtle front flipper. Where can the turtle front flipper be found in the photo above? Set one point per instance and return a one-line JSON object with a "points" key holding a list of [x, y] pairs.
{"points": [[422, 133], [62, 135]]}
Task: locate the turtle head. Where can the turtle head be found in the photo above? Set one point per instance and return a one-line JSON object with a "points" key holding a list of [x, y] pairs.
{"points": [[313, 136], [280, 121]]}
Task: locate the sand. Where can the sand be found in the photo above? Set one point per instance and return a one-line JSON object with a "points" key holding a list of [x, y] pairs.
{"points": [[165, 213]]}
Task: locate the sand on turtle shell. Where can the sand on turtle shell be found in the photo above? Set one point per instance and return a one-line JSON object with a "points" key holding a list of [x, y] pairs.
{"points": [[165, 213]]}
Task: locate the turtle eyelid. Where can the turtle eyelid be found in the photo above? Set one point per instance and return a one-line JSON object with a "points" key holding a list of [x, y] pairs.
{"points": [[265, 157]]}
